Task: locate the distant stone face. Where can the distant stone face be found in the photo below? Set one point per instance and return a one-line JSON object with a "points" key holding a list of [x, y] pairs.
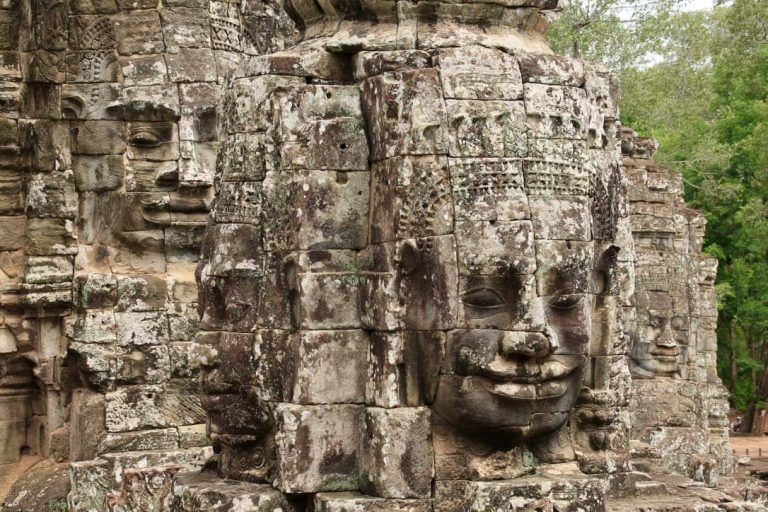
{"points": [[661, 345], [672, 357], [419, 272]]}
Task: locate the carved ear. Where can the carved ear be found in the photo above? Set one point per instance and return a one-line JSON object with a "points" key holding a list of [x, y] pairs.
{"points": [[290, 275], [604, 276], [408, 257]]}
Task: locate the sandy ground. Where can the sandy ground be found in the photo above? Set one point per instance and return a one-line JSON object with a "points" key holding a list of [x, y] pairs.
{"points": [[752, 451], [10, 472], [754, 446]]}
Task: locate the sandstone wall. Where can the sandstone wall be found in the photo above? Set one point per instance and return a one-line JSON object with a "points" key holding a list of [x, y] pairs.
{"points": [[110, 126], [109, 138], [16, 382]]}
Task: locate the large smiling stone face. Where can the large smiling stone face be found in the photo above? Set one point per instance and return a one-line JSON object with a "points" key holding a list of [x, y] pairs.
{"points": [[417, 256], [514, 366]]}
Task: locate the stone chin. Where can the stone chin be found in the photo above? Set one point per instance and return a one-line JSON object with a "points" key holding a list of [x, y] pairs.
{"points": [[508, 412]]}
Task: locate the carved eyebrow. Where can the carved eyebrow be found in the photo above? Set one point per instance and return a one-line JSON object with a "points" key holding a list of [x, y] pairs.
{"points": [[565, 277], [146, 110]]}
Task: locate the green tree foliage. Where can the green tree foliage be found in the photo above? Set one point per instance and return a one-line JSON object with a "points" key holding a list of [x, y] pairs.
{"points": [[616, 33], [739, 222], [698, 82]]}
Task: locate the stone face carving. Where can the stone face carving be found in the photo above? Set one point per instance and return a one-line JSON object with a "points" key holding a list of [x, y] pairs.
{"points": [[417, 289], [661, 346], [109, 136], [672, 358], [419, 264]]}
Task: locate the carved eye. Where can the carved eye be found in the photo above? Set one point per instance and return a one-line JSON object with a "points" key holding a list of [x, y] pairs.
{"points": [[145, 138], [678, 323], [483, 298], [655, 322], [565, 302]]}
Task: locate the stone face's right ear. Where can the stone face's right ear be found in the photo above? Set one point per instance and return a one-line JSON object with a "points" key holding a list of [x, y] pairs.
{"points": [[408, 257], [291, 276]]}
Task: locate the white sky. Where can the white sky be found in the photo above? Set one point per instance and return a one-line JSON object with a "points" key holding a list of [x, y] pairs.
{"points": [[697, 5]]}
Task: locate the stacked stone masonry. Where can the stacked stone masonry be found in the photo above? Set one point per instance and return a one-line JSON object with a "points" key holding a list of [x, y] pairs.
{"points": [[436, 274], [391, 307], [673, 358], [108, 142]]}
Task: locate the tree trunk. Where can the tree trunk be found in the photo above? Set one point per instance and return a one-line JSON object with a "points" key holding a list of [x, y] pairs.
{"points": [[761, 389], [750, 423], [749, 418]]}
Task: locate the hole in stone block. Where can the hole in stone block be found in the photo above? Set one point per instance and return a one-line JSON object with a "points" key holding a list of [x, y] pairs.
{"points": [[342, 178]]}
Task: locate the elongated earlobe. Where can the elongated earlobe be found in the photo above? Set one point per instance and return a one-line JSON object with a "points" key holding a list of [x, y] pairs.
{"points": [[408, 257]]}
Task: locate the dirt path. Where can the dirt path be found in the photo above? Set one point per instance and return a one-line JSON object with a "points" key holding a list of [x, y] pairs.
{"points": [[754, 446]]}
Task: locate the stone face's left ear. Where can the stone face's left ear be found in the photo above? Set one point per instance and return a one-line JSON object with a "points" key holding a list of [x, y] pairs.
{"points": [[408, 257], [604, 274]]}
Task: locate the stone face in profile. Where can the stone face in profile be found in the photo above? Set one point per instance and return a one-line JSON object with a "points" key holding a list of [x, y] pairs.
{"points": [[415, 270]]}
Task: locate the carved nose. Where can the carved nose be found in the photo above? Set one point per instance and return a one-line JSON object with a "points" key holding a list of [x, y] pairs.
{"points": [[165, 176], [666, 338], [535, 345], [196, 167]]}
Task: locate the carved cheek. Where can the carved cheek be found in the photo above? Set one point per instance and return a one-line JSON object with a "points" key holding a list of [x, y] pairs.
{"points": [[487, 318], [573, 327]]}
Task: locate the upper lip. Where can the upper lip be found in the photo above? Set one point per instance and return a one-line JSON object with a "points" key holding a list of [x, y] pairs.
{"points": [[175, 204]]}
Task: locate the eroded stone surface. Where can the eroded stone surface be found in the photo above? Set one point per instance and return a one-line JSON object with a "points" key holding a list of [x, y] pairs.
{"points": [[108, 141], [673, 350], [427, 239], [423, 285]]}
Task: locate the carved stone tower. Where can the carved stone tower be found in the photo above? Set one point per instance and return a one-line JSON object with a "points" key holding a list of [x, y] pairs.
{"points": [[416, 283]]}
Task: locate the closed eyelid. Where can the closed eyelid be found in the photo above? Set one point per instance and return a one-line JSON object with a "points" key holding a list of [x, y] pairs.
{"points": [[144, 137], [565, 301], [483, 298]]}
